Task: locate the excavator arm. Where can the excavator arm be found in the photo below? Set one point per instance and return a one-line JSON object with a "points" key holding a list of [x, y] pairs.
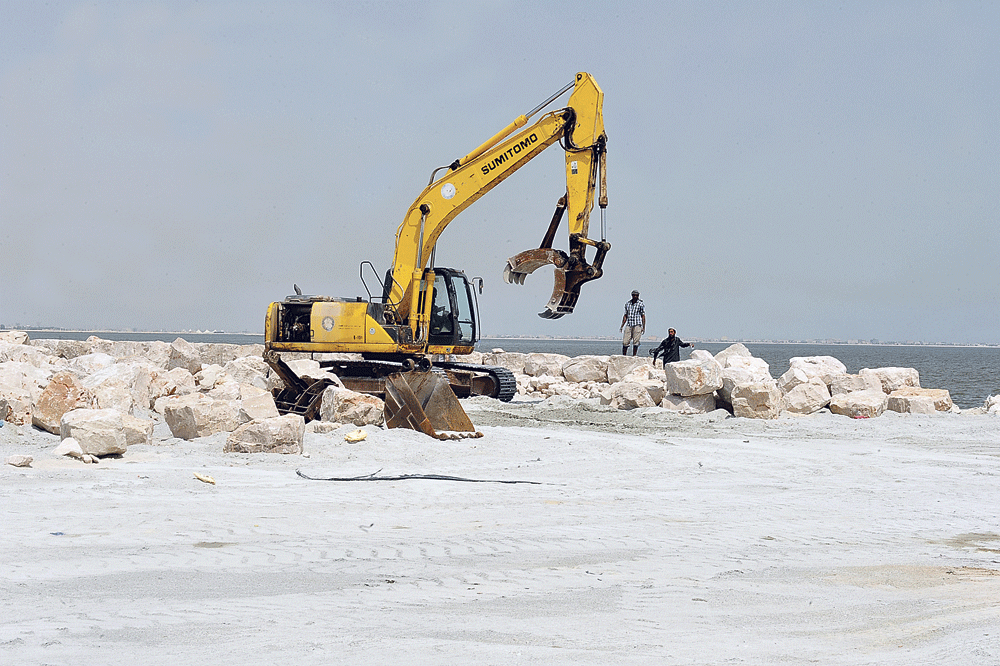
{"points": [[579, 127]]}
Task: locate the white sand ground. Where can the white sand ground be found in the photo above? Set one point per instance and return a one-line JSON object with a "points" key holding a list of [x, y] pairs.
{"points": [[650, 539]]}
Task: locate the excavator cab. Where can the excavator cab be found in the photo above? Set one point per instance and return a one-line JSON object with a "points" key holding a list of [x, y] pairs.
{"points": [[453, 311]]}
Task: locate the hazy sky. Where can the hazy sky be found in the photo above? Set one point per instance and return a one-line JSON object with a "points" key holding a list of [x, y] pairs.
{"points": [[775, 170]]}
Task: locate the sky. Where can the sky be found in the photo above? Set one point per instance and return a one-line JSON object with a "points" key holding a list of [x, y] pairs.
{"points": [[776, 170]]}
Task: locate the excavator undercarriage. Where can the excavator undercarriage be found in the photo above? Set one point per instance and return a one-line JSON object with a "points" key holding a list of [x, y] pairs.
{"points": [[423, 400]]}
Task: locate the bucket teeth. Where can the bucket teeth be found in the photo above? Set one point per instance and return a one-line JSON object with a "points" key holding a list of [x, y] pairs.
{"points": [[424, 401]]}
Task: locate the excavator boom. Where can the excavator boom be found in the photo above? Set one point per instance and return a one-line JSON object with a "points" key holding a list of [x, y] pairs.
{"points": [[580, 129]]}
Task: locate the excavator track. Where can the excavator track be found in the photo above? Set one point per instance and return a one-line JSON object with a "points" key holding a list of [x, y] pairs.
{"points": [[504, 384]]}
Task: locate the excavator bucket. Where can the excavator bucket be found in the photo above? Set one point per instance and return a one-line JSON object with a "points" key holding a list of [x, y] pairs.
{"points": [[424, 401], [565, 291]]}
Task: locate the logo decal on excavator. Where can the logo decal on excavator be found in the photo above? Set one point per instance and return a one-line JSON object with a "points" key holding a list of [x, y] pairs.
{"points": [[328, 323], [522, 145]]}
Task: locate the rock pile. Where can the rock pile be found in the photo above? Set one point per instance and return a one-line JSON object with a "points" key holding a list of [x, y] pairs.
{"points": [[102, 396], [733, 380]]}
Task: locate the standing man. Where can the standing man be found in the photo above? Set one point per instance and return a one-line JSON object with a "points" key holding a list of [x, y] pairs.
{"points": [[670, 348], [633, 323]]}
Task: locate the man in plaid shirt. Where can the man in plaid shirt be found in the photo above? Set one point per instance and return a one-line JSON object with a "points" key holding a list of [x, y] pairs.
{"points": [[633, 323]]}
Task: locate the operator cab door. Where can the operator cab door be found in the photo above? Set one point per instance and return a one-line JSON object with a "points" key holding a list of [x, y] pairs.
{"points": [[453, 313]]}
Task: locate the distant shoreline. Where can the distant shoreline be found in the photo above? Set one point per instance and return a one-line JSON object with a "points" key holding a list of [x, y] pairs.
{"points": [[31, 331]]}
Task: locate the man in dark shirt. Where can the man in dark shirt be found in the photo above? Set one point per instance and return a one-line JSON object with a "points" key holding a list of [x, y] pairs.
{"points": [[670, 348]]}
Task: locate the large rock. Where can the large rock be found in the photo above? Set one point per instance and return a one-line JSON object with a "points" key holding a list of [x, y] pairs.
{"points": [[122, 386], [100, 432], [586, 369], [14, 337], [860, 404], [278, 434], [256, 406], [760, 400], [692, 404], [223, 353], [88, 364], [26, 376], [627, 395], [620, 366], [741, 369], [824, 367], [847, 383], [513, 361], [992, 404], [137, 430], [68, 349], [197, 415], [692, 377], [537, 365], [911, 400], [248, 370], [891, 379], [185, 355], [738, 350], [63, 394], [807, 398], [346, 406], [15, 405]]}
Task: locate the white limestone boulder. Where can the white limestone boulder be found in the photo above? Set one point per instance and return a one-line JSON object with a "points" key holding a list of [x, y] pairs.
{"points": [[123, 386], [992, 404], [19, 460], [513, 361], [256, 406], [586, 369], [807, 398], [741, 369], [738, 350], [26, 376], [163, 383], [848, 383], [63, 394], [860, 404], [308, 369], [30, 355], [692, 404], [620, 366], [824, 367], [14, 337], [209, 375], [891, 379], [16, 405], [911, 400], [88, 364], [759, 400], [627, 395], [702, 355], [137, 430], [692, 377], [278, 434], [197, 415], [68, 349], [68, 447], [100, 432], [185, 355], [537, 364], [248, 370], [342, 405]]}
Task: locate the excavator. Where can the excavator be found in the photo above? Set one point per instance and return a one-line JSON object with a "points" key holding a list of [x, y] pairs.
{"points": [[420, 311]]}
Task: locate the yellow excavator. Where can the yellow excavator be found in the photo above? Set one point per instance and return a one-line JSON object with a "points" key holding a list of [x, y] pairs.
{"points": [[421, 310]]}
